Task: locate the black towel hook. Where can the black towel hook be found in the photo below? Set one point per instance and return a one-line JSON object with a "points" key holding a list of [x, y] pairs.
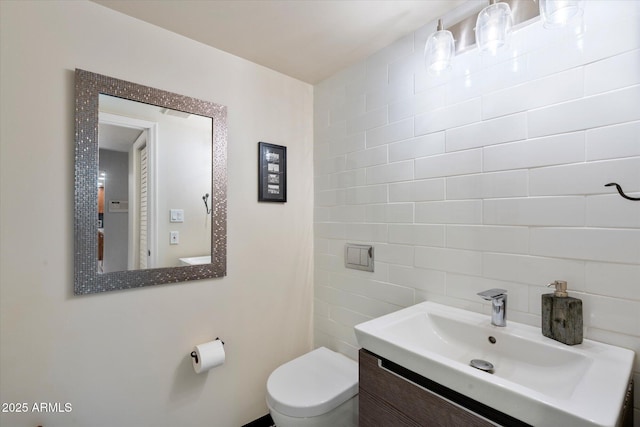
{"points": [[635, 199], [206, 205]]}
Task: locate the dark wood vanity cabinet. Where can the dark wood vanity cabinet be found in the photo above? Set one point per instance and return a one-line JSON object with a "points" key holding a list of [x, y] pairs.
{"points": [[388, 400], [626, 418], [393, 396]]}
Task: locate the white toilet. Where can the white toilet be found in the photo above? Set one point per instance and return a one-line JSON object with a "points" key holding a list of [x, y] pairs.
{"points": [[318, 389]]}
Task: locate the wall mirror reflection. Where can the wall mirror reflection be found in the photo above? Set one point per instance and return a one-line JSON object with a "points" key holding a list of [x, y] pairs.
{"points": [[150, 203], [155, 167]]}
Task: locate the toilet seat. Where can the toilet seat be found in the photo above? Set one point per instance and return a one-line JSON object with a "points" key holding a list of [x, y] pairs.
{"points": [[313, 384]]}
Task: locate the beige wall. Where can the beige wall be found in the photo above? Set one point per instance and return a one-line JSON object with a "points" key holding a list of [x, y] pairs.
{"points": [[121, 358]]}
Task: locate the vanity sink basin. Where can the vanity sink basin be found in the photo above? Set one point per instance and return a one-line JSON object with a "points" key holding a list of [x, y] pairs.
{"points": [[196, 260], [534, 379]]}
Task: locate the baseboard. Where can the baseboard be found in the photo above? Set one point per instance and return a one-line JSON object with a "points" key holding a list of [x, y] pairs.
{"points": [[264, 421]]}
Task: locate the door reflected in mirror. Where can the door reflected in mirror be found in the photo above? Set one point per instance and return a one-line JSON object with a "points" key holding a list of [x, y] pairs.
{"points": [[155, 168]]}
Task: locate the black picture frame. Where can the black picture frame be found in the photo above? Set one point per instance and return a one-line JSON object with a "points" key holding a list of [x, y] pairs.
{"points": [[272, 173]]}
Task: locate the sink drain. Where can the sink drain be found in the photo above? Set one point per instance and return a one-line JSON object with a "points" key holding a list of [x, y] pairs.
{"points": [[483, 365]]}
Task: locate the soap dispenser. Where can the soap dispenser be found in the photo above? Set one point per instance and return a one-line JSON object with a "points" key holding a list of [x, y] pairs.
{"points": [[562, 315]]}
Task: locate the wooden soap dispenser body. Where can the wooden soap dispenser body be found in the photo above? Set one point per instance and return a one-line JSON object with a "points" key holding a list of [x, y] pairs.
{"points": [[562, 315]]}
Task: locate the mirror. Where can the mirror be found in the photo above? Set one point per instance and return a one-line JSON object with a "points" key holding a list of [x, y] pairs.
{"points": [[155, 167], [150, 186]]}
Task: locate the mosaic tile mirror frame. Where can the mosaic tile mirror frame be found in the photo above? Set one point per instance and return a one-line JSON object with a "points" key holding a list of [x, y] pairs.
{"points": [[87, 277]]}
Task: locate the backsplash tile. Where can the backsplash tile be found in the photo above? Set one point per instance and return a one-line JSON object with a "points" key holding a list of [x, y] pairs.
{"points": [[384, 95], [346, 144], [344, 108], [369, 120], [416, 104], [546, 151], [448, 117], [534, 94], [394, 254], [390, 133], [612, 73], [488, 238], [611, 142], [490, 176], [415, 191], [366, 195], [612, 314], [367, 232], [613, 280], [394, 294], [449, 212], [535, 211], [513, 183], [418, 279], [622, 106], [351, 178], [466, 287], [364, 158], [393, 172], [344, 213], [329, 197], [585, 178], [451, 260], [613, 211], [421, 146], [417, 234], [392, 212], [534, 270], [457, 163], [488, 132], [598, 244]]}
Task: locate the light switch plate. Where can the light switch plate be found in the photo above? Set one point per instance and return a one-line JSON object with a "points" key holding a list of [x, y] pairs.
{"points": [[176, 215], [118, 206], [358, 257]]}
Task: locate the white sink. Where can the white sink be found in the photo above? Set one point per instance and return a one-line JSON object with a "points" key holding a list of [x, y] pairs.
{"points": [[196, 260], [535, 379]]}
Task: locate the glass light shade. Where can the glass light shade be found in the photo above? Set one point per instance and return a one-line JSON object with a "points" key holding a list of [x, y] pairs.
{"points": [[557, 13], [439, 52], [493, 27]]}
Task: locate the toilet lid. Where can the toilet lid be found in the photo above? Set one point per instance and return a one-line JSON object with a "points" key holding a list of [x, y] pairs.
{"points": [[313, 384]]}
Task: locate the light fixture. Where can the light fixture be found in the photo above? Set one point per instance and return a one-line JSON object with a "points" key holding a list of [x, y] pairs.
{"points": [[493, 27], [439, 50], [558, 13]]}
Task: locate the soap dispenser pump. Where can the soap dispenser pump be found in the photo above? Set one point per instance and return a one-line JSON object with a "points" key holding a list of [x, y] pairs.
{"points": [[562, 315]]}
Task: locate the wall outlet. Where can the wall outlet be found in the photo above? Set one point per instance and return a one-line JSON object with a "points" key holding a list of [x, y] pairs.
{"points": [[174, 237]]}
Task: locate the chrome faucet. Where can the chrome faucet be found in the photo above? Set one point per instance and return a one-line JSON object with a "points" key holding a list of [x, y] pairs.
{"points": [[498, 298]]}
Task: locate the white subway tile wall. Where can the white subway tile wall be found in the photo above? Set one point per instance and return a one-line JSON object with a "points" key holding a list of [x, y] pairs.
{"points": [[490, 176]]}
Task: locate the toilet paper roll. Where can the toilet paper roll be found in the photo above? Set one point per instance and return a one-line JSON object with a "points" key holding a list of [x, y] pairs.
{"points": [[208, 355]]}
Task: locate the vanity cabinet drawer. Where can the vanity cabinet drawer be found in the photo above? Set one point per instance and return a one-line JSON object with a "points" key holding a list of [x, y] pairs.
{"points": [[376, 412], [386, 399]]}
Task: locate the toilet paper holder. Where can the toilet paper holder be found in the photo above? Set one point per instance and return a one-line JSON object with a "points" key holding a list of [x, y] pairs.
{"points": [[195, 355]]}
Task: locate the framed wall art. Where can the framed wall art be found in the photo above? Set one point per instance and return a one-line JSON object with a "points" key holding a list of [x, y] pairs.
{"points": [[272, 173]]}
